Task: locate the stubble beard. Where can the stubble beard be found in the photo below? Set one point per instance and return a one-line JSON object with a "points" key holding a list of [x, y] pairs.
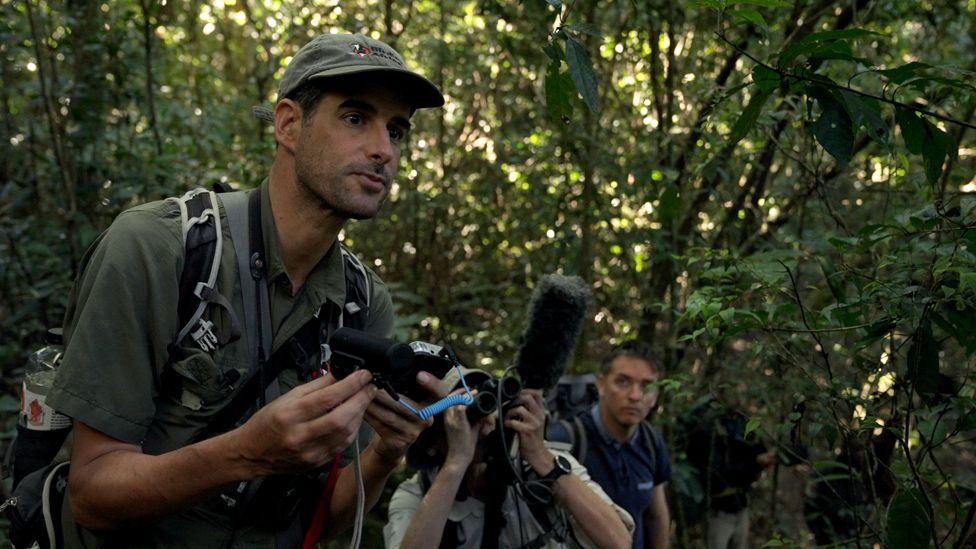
{"points": [[324, 186]]}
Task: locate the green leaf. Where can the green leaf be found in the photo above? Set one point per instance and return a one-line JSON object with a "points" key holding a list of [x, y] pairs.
{"points": [[764, 3], [582, 71], [751, 426], [586, 28], [747, 120], [835, 281], [843, 34], [559, 90], [669, 204], [923, 360], [819, 43], [909, 525], [900, 74], [766, 79], [750, 15], [834, 129], [936, 147], [912, 129], [867, 112]]}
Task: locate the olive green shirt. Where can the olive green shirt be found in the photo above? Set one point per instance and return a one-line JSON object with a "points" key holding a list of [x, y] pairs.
{"points": [[117, 377]]}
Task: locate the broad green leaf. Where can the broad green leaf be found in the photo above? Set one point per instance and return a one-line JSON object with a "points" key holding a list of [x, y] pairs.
{"points": [[936, 147], [867, 113], [669, 204], [586, 28], [834, 129], [834, 281], [751, 426], [923, 360], [909, 525], [750, 15], [747, 120], [559, 90], [900, 74], [818, 43], [582, 71], [553, 51], [763, 3], [766, 79], [843, 34], [912, 129]]}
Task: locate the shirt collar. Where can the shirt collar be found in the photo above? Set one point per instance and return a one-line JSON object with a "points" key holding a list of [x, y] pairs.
{"points": [[605, 434], [327, 280]]}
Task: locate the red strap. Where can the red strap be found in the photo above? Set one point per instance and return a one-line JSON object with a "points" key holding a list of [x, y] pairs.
{"points": [[322, 508]]}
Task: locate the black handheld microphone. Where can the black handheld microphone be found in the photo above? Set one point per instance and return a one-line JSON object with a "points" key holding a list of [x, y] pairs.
{"points": [[555, 319]]}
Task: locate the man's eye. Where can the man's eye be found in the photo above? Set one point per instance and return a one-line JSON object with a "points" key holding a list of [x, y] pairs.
{"points": [[354, 119], [396, 134]]}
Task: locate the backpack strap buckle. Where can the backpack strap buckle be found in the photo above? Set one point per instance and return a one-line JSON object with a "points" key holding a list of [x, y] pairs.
{"points": [[204, 335]]}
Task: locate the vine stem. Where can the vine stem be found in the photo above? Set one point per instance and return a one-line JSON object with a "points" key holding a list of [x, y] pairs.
{"points": [[785, 74]]}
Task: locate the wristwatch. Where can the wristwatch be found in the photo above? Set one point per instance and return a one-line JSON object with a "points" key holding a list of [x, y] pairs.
{"points": [[562, 467]]}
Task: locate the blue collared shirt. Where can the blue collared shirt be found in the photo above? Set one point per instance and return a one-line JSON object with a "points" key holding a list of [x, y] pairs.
{"points": [[628, 471]]}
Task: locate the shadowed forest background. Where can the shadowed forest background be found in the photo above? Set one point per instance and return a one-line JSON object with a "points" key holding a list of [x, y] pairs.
{"points": [[777, 194]]}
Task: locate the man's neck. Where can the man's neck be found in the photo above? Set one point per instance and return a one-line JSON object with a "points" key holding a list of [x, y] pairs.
{"points": [[619, 432], [305, 232]]}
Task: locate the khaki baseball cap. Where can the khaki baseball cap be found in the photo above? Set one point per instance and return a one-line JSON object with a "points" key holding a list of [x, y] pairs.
{"points": [[338, 55]]}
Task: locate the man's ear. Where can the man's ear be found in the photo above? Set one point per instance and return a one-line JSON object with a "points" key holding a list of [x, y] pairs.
{"points": [[600, 380], [287, 124]]}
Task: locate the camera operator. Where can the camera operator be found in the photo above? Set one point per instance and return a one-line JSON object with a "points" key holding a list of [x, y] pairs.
{"points": [[444, 504]]}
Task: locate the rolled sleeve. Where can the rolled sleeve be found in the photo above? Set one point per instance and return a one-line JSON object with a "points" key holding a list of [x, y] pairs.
{"points": [[120, 320]]}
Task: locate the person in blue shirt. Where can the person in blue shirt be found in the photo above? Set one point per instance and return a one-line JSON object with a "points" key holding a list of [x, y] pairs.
{"points": [[622, 452]]}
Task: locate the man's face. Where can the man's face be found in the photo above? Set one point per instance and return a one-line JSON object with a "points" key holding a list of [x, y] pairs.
{"points": [[628, 391], [346, 155]]}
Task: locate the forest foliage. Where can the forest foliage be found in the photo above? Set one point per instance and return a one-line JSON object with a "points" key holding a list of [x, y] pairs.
{"points": [[777, 194]]}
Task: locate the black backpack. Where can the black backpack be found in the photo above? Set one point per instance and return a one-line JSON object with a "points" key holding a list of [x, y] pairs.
{"points": [[572, 395], [34, 509]]}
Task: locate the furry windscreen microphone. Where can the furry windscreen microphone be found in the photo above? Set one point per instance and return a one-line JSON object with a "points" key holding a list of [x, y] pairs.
{"points": [[556, 314]]}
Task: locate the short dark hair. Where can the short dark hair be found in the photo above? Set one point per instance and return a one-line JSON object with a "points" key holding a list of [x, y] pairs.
{"points": [[308, 96], [634, 349]]}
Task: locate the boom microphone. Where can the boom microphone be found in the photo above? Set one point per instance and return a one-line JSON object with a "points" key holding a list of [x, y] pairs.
{"points": [[556, 314]]}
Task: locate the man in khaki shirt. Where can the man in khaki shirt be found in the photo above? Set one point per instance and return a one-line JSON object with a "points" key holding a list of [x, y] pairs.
{"points": [[139, 475]]}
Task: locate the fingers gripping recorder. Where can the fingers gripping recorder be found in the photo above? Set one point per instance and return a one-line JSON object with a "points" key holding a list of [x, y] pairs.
{"points": [[395, 366]]}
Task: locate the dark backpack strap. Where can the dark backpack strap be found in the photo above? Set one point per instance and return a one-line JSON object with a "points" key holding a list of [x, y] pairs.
{"points": [[203, 246]]}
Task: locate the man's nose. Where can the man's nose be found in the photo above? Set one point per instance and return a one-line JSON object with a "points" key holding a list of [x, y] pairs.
{"points": [[380, 147]]}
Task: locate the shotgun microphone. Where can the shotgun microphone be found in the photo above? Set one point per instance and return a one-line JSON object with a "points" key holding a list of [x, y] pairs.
{"points": [[555, 318]]}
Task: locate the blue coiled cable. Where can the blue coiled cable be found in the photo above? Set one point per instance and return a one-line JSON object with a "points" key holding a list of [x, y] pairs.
{"points": [[465, 398]]}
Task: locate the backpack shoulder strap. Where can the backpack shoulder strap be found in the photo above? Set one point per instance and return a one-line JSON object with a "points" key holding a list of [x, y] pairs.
{"points": [[359, 291], [203, 248]]}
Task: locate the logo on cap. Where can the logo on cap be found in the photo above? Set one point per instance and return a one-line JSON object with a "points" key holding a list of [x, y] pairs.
{"points": [[360, 50]]}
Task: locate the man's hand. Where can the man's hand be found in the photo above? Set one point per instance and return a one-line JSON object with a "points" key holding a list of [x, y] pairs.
{"points": [[527, 417], [462, 436], [397, 427], [306, 426]]}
